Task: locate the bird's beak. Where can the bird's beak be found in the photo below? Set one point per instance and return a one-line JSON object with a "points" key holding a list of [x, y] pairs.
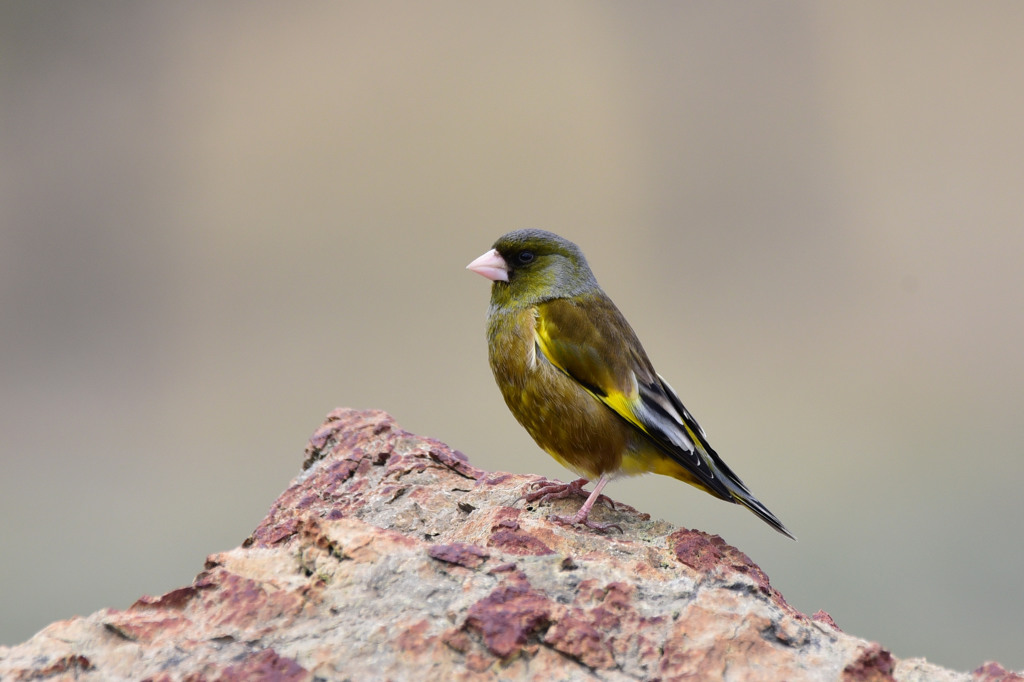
{"points": [[491, 265]]}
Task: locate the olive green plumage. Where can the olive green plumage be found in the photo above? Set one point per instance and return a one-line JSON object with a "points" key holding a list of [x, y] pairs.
{"points": [[574, 374]]}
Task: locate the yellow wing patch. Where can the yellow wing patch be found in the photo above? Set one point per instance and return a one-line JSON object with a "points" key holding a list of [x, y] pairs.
{"points": [[596, 349], [596, 381], [623, 404]]}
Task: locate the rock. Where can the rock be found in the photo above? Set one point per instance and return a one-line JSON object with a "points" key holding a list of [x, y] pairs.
{"points": [[392, 557]]}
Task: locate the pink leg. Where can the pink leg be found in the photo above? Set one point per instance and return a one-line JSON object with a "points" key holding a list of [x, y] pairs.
{"points": [[553, 490], [582, 514]]}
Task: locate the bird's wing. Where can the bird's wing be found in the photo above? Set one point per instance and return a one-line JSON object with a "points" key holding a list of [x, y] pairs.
{"points": [[594, 345]]}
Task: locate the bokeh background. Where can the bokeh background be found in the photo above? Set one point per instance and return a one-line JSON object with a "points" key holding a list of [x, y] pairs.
{"points": [[220, 220]]}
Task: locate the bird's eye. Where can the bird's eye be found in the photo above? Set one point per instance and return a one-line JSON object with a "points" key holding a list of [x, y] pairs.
{"points": [[525, 257]]}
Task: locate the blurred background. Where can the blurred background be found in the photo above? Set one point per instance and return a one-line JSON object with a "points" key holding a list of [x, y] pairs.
{"points": [[220, 221]]}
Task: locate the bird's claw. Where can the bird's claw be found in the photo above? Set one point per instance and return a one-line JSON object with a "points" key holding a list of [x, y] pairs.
{"points": [[573, 520], [545, 490]]}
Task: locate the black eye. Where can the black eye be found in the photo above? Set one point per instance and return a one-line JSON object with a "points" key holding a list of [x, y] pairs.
{"points": [[525, 257]]}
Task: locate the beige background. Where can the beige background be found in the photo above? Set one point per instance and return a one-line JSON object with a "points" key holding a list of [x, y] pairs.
{"points": [[218, 222]]}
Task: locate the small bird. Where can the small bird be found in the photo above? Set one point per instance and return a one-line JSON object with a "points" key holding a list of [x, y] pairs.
{"points": [[574, 374]]}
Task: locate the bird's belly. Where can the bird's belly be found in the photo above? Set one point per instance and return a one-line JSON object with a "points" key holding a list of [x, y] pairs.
{"points": [[575, 428]]}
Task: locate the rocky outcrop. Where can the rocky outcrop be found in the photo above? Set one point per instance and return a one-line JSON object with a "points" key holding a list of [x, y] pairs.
{"points": [[390, 557]]}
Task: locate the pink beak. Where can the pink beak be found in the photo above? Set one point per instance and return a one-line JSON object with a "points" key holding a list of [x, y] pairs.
{"points": [[491, 265]]}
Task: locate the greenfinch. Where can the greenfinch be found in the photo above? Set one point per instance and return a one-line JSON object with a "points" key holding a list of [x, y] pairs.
{"points": [[574, 374]]}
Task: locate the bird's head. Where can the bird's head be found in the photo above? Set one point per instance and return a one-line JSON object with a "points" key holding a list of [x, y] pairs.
{"points": [[530, 266]]}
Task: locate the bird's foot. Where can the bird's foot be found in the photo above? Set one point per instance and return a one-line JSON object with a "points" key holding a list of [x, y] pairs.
{"points": [[546, 490], [585, 520]]}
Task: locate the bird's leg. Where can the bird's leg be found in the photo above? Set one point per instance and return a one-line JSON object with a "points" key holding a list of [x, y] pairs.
{"points": [[583, 513], [545, 490]]}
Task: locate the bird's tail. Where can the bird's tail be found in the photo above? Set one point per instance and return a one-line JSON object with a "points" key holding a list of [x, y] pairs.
{"points": [[753, 504], [740, 494]]}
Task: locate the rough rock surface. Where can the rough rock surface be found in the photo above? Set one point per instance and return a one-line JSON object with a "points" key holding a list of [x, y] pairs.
{"points": [[390, 557]]}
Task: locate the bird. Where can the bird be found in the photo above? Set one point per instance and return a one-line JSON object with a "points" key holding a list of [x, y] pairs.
{"points": [[574, 374]]}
